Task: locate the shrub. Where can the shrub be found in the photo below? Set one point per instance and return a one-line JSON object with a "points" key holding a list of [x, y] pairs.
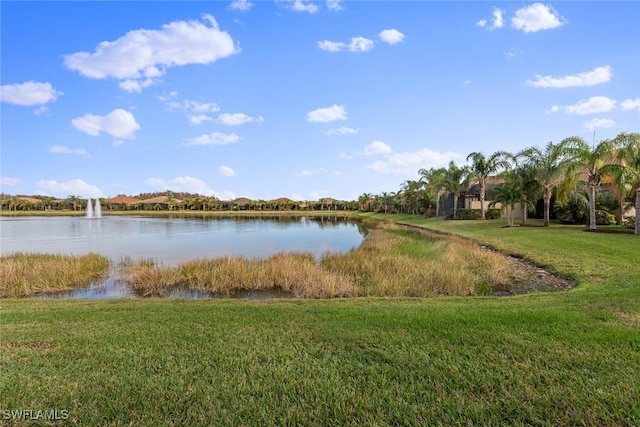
{"points": [[493, 214], [469, 214], [604, 218], [629, 222]]}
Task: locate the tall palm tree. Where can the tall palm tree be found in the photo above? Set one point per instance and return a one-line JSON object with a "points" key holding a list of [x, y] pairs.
{"points": [[434, 179], [618, 181], [550, 164], [507, 194], [630, 153], [482, 167], [591, 165], [530, 189], [455, 178]]}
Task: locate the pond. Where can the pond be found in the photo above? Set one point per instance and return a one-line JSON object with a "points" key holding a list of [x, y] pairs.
{"points": [[172, 240]]}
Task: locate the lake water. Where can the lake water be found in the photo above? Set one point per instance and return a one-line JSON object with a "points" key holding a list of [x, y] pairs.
{"points": [[170, 241]]}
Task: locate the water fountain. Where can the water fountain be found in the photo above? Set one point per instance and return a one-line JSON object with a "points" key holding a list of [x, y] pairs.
{"points": [[89, 209], [94, 213], [98, 209]]}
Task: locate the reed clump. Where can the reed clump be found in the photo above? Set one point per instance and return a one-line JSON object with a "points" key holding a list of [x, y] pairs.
{"points": [[26, 274], [294, 273], [391, 262], [397, 262]]}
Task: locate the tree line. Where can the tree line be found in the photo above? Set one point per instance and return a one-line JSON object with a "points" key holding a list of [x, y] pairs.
{"points": [[572, 172]]}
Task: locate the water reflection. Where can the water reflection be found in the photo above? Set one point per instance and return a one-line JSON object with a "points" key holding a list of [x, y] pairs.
{"points": [[171, 240]]}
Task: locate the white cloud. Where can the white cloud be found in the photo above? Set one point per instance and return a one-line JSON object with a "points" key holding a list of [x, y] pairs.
{"points": [[241, 5], [309, 172], [497, 20], [334, 5], [237, 119], [330, 46], [199, 107], [168, 97], [5, 180], [357, 44], [630, 104], [595, 104], [599, 123], [40, 110], [226, 171], [62, 149], [588, 78], [537, 17], [28, 93], [410, 163], [512, 53], [118, 123], [344, 156], [466, 82], [199, 119], [194, 110], [343, 130], [214, 138], [377, 147], [118, 142], [300, 6], [130, 86], [144, 55], [329, 114], [391, 36], [76, 187], [185, 184]]}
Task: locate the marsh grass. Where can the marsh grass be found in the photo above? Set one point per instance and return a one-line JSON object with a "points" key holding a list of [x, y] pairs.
{"points": [[27, 274], [293, 273], [391, 262]]}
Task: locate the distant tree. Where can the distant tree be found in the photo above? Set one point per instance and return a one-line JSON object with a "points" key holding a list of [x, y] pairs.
{"points": [[455, 177], [434, 180], [507, 195], [591, 165], [483, 167], [550, 165], [630, 153]]}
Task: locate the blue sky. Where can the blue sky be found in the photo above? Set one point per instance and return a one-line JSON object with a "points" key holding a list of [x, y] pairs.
{"points": [[299, 99]]}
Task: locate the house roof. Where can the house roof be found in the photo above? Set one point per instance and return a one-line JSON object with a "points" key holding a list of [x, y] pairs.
{"points": [[31, 200], [123, 199]]}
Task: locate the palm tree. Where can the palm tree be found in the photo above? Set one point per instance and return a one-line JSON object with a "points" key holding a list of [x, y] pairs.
{"points": [[455, 177], [482, 167], [434, 180], [550, 165], [630, 153], [75, 201], [590, 166], [617, 180], [507, 194], [529, 188]]}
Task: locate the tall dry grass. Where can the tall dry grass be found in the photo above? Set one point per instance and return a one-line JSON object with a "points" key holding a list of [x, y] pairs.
{"points": [[26, 274], [294, 273], [390, 262]]}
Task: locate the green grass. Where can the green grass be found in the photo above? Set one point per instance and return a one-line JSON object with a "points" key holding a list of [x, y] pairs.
{"points": [[568, 358]]}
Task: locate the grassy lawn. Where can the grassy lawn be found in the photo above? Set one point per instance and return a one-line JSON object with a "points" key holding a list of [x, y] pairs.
{"points": [[569, 358]]}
